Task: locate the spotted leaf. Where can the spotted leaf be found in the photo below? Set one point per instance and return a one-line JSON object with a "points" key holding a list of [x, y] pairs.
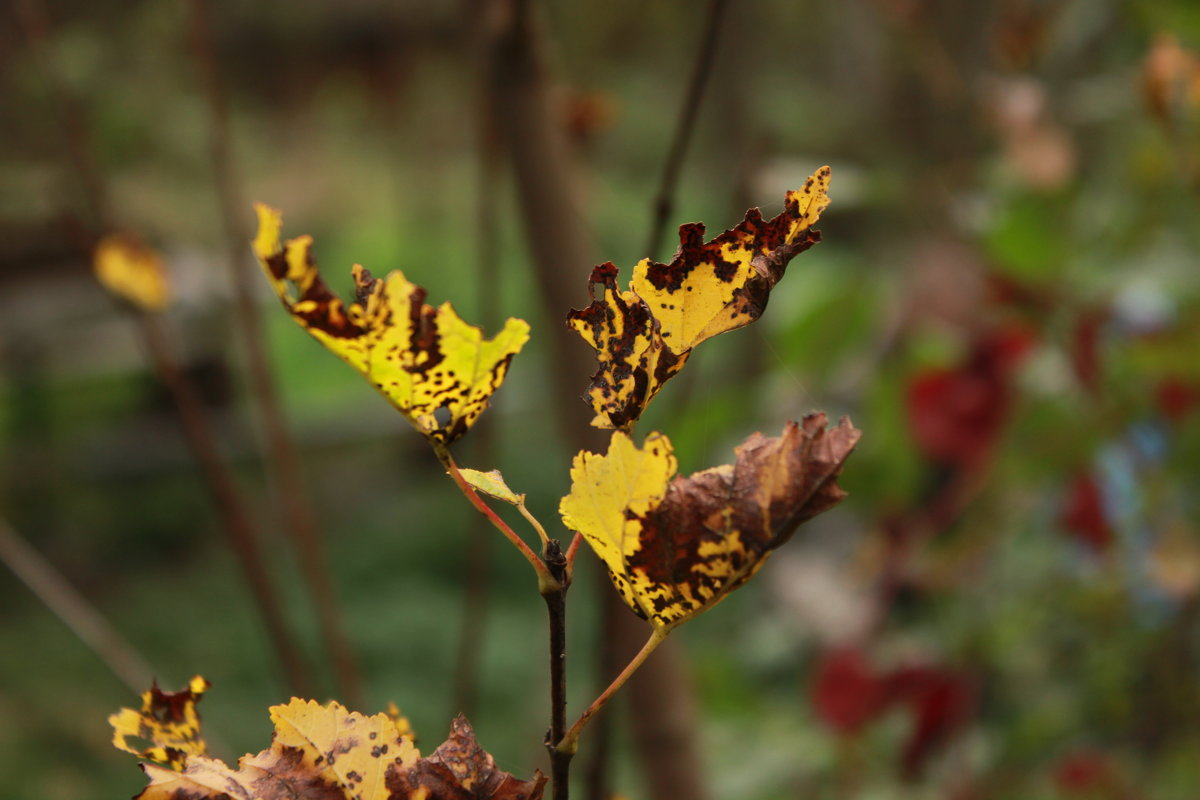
{"points": [[676, 546], [436, 369], [644, 335], [167, 721], [325, 752]]}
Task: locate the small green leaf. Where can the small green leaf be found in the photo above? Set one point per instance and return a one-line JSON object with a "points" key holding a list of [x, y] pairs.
{"points": [[492, 484]]}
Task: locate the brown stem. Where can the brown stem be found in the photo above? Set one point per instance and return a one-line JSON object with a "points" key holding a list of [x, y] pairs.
{"points": [[235, 515], [556, 609], [570, 742], [35, 24], [544, 577], [282, 458], [664, 199], [74, 610]]}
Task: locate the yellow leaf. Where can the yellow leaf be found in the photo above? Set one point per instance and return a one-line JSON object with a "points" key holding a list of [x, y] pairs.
{"points": [[132, 271], [676, 546], [492, 484], [644, 335], [327, 752], [436, 369], [167, 720]]}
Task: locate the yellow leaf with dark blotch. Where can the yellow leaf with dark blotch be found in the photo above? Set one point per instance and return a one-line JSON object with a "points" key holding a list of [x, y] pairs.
{"points": [[492, 484], [644, 335], [436, 369], [676, 546], [462, 770], [132, 271], [167, 720], [634, 361], [324, 752], [717, 286]]}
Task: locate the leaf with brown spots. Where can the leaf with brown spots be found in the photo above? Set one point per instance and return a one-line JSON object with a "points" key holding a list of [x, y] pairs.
{"points": [[436, 369], [462, 770], [676, 546], [644, 335], [167, 720], [324, 752], [132, 271]]}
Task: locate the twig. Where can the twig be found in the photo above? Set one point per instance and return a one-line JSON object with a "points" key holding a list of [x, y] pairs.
{"points": [[282, 458], [556, 609], [570, 742], [487, 273], [235, 515], [664, 200], [545, 578], [35, 24], [74, 610]]}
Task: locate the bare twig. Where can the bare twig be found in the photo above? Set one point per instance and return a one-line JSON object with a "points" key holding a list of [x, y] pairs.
{"points": [[235, 514], [282, 457], [664, 199], [556, 609], [74, 610], [570, 741]]}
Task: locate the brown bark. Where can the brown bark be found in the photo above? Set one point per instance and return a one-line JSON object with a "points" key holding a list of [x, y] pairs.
{"points": [[536, 144]]}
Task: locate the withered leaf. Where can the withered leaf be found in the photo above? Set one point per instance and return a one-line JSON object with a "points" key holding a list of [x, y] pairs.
{"points": [[324, 752], [436, 369], [676, 546], [644, 335], [132, 271], [167, 720], [462, 770]]}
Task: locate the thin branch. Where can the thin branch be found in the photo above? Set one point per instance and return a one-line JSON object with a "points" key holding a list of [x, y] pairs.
{"points": [[234, 512], [556, 609], [664, 200], [282, 457], [570, 742], [545, 579], [74, 610], [35, 25]]}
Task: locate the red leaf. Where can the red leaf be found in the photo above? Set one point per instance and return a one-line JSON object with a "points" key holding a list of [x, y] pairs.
{"points": [[1083, 515], [845, 692]]}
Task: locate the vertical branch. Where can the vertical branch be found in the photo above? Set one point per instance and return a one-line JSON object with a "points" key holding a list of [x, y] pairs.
{"points": [[487, 279], [282, 458], [35, 25], [84, 620], [664, 199], [556, 609], [235, 514]]}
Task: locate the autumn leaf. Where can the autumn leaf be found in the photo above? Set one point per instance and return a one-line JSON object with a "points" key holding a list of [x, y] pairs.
{"points": [[462, 770], [132, 271], [676, 546], [643, 336], [167, 720], [436, 369], [328, 753]]}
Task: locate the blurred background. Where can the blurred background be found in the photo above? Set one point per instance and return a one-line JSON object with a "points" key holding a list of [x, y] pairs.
{"points": [[1004, 302]]}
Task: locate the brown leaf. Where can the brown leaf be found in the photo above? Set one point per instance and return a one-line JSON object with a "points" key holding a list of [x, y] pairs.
{"points": [[462, 770], [677, 546], [167, 720]]}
